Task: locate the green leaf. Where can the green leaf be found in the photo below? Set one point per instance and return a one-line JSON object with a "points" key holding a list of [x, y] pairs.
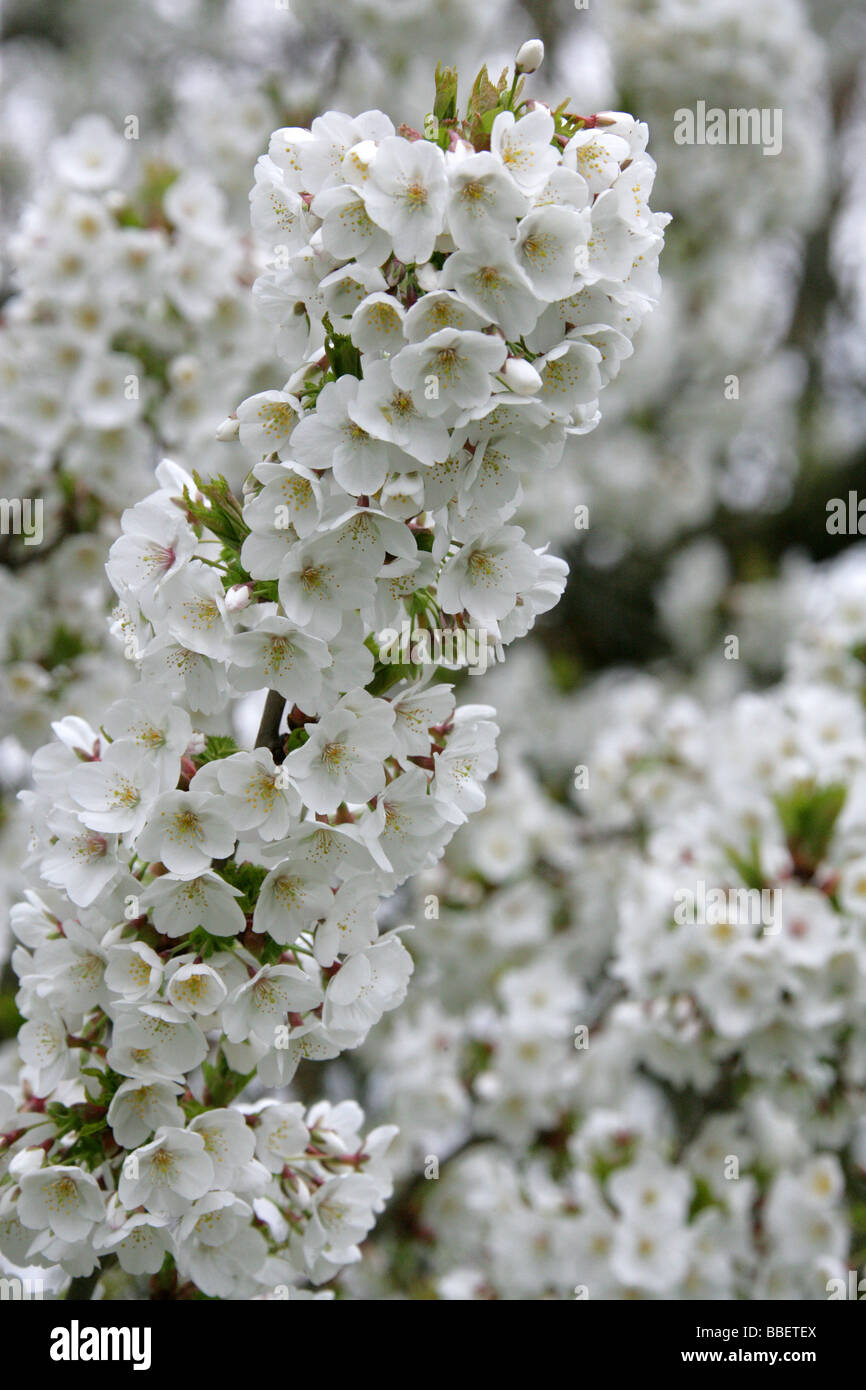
{"points": [[152, 358], [484, 97], [808, 815], [204, 945], [158, 179], [267, 590], [248, 878], [233, 571], [312, 389], [704, 1197], [387, 674], [222, 1083], [749, 866], [223, 518], [10, 1019], [297, 738], [343, 355], [216, 746], [271, 951], [128, 217], [489, 117], [445, 104], [603, 1165]]}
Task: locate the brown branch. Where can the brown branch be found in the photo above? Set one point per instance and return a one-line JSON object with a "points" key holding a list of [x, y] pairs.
{"points": [[268, 735]]}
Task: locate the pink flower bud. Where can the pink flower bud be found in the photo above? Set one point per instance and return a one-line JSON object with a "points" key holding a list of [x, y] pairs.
{"points": [[237, 598]]}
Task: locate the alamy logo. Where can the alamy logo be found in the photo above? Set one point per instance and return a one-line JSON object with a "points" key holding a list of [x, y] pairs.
{"points": [[22, 516], [713, 907], [846, 516], [76, 1343], [855, 1288], [738, 126], [468, 648], [11, 1287]]}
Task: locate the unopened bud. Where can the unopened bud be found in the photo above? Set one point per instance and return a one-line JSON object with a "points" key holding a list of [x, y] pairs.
{"points": [[237, 598], [616, 123], [530, 55], [331, 1142], [228, 429], [302, 1190], [521, 377]]}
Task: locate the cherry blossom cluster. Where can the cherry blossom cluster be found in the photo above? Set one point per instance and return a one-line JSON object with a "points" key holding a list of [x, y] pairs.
{"points": [[236, 1202], [458, 308], [206, 912]]}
